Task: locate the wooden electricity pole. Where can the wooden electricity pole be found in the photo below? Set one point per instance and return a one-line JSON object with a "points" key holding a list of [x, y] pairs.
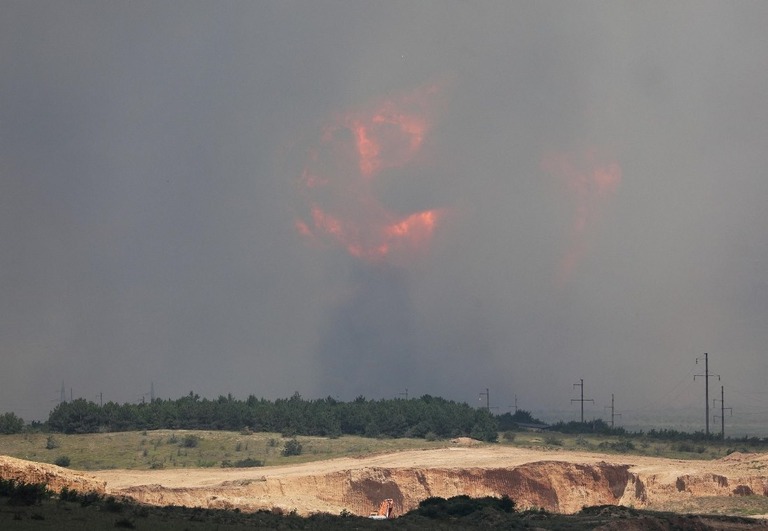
{"points": [[582, 399], [706, 376], [722, 411], [613, 411]]}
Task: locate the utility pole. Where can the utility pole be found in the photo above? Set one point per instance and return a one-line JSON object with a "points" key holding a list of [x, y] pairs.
{"points": [[487, 399], [405, 394], [722, 411], [706, 376], [515, 406], [582, 399], [613, 411]]}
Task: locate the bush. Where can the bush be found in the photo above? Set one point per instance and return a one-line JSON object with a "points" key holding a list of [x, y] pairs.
{"points": [[292, 447], [243, 463], [62, 460], [463, 505], [19, 493], [51, 443], [67, 494], [190, 441], [618, 446], [89, 498], [508, 436]]}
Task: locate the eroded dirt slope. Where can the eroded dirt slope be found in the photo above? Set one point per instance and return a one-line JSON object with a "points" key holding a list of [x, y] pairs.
{"points": [[558, 481], [55, 477]]}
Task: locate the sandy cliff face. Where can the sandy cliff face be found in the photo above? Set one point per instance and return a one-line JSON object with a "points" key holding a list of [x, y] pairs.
{"points": [[55, 477], [556, 486], [556, 481]]}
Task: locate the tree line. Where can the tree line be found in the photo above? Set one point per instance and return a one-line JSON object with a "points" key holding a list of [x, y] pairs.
{"points": [[425, 417]]}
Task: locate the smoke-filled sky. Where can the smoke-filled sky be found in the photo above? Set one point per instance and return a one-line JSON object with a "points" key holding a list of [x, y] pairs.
{"points": [[345, 198]]}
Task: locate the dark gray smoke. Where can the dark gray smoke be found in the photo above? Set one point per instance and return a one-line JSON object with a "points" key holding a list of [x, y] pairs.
{"points": [[150, 163]]}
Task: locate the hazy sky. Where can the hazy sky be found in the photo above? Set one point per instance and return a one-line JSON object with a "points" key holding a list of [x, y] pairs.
{"points": [[358, 197]]}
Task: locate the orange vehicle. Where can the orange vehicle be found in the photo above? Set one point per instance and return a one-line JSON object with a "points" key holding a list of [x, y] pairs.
{"points": [[385, 510]]}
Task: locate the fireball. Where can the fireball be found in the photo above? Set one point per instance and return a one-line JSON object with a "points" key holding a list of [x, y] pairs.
{"points": [[355, 151]]}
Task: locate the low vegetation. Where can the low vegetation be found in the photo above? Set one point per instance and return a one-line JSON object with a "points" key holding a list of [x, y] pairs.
{"points": [[174, 448], [163, 449], [635, 444], [30, 506]]}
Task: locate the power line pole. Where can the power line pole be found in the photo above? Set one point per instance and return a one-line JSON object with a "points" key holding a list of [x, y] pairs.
{"points": [[515, 406], [582, 399], [487, 399], [405, 394], [706, 376], [613, 411], [722, 411]]}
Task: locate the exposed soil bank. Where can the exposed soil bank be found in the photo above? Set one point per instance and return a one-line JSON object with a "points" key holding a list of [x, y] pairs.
{"points": [[557, 481]]}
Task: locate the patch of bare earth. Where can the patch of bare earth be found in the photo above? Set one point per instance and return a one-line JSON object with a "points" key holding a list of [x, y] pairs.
{"points": [[55, 477], [558, 481]]}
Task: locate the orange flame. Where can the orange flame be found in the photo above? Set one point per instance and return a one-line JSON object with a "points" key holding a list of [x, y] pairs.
{"points": [[593, 181], [351, 153]]}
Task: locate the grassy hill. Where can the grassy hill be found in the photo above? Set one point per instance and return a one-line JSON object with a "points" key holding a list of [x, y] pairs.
{"points": [[189, 449]]}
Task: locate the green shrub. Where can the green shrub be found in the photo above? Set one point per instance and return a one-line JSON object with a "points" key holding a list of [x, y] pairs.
{"points": [[618, 446], [89, 498], [242, 463], [62, 460], [20, 493], [67, 494], [51, 443], [190, 441], [292, 447], [463, 505]]}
